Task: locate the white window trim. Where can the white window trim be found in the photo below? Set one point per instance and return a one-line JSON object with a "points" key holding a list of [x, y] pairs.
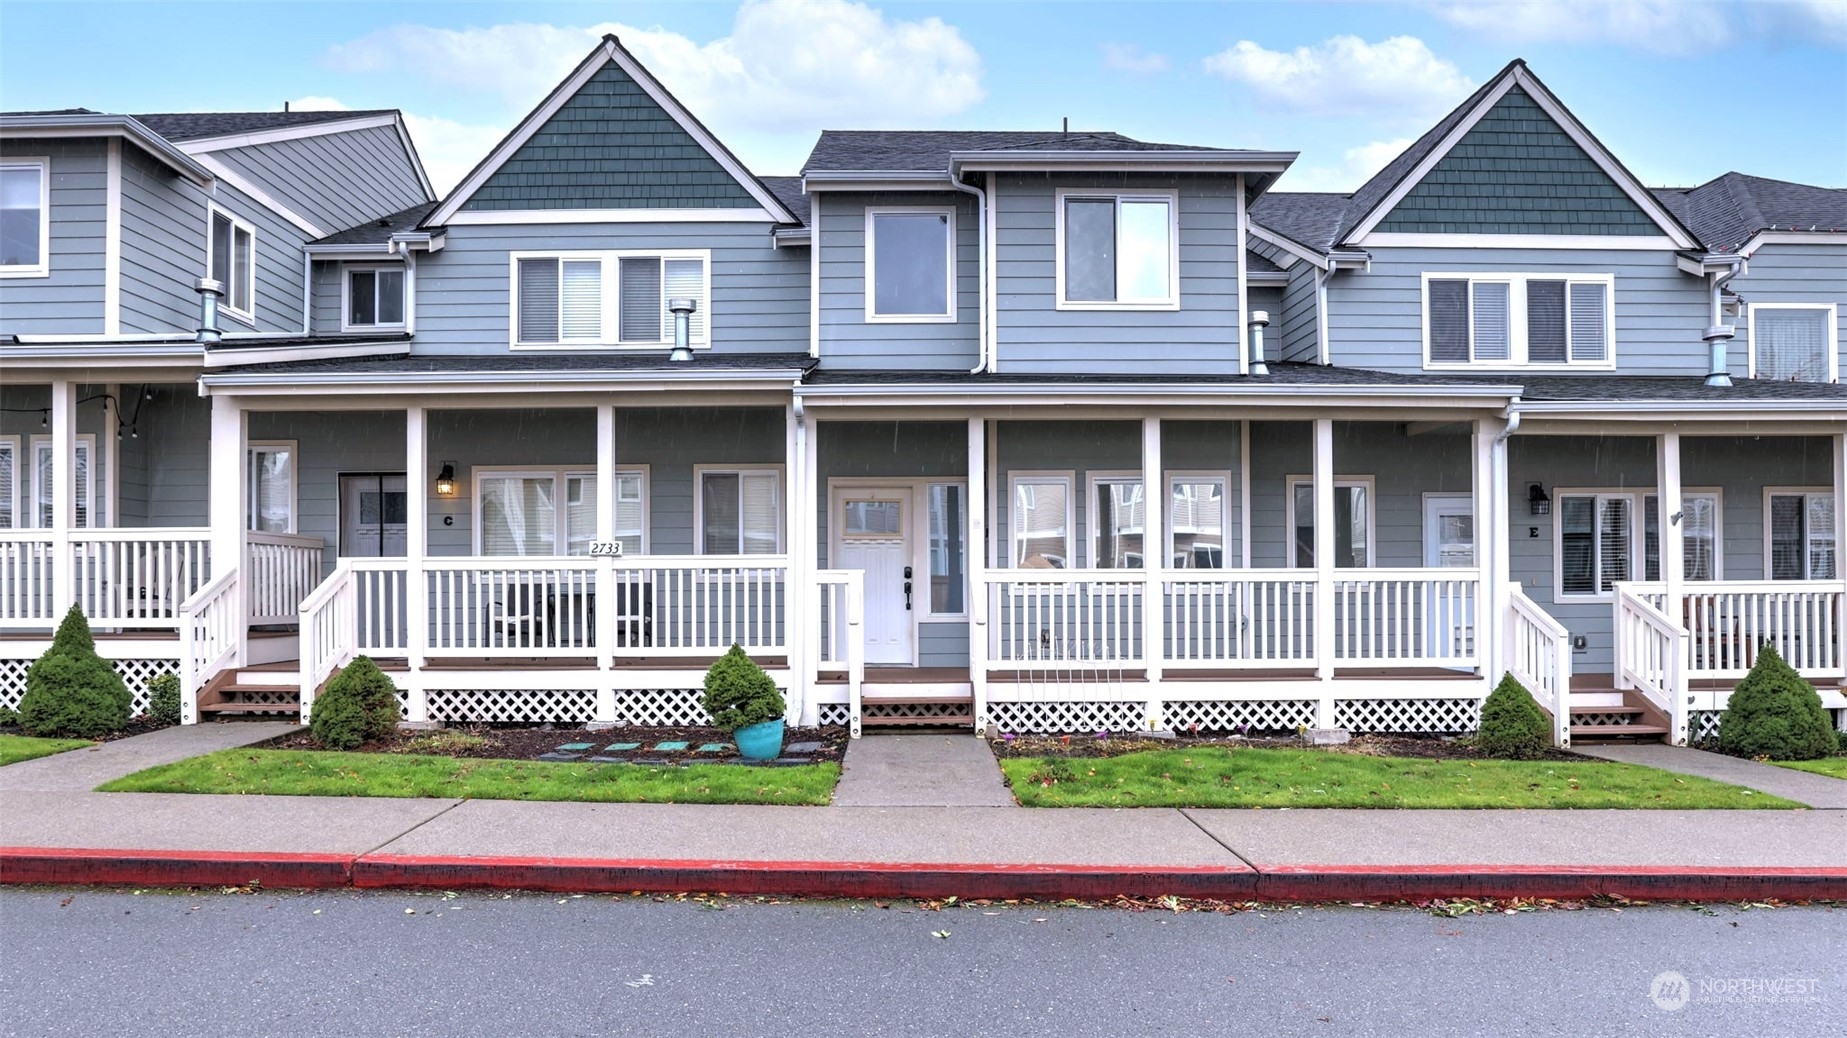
{"points": [[213, 210], [610, 283], [42, 268], [558, 475], [1290, 483], [1172, 198], [252, 446], [346, 302], [782, 490], [1769, 538], [11, 460], [1834, 333], [921, 491], [1516, 282], [1175, 477], [872, 316], [86, 493], [1042, 476], [1638, 535]]}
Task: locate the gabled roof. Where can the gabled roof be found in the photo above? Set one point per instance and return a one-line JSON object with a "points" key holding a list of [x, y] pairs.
{"points": [[929, 151], [186, 126], [381, 230], [1310, 219], [788, 191], [1732, 208], [1375, 199], [609, 51]]}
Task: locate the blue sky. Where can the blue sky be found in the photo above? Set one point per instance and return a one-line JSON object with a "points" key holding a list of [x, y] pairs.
{"points": [[1681, 91]]}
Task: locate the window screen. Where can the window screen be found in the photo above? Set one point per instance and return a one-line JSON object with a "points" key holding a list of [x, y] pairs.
{"points": [[1791, 344]]}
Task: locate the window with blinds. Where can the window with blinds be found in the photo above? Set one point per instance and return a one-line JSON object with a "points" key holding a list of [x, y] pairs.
{"points": [[9, 484], [1792, 343], [740, 512], [1597, 539], [608, 298], [1699, 536], [232, 261], [1801, 536], [535, 511], [271, 486], [1353, 523], [42, 480], [1517, 320]]}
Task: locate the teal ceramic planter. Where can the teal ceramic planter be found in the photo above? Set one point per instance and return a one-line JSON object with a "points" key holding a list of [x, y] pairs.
{"points": [[760, 741]]}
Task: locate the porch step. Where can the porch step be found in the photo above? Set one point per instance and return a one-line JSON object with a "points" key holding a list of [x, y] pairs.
{"points": [[1600, 712], [1650, 732], [917, 710], [250, 691], [1586, 700]]}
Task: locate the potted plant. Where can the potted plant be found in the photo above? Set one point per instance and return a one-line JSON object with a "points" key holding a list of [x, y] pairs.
{"points": [[744, 701]]}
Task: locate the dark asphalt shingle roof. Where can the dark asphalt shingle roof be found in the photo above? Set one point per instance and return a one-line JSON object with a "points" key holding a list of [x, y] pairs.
{"points": [[183, 126], [1691, 388], [528, 363], [1306, 218], [788, 191], [1726, 211], [1255, 263], [929, 150], [379, 231]]}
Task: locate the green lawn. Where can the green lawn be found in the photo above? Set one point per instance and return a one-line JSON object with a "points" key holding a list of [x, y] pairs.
{"points": [[15, 748], [315, 773], [1215, 777], [1833, 767]]}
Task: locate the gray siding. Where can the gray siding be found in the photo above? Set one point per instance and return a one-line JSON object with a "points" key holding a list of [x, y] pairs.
{"points": [[328, 284], [1295, 320], [279, 264], [332, 443], [337, 180], [19, 419], [70, 298], [1270, 301], [1793, 274], [1375, 318], [848, 340], [163, 246], [1035, 336], [177, 427], [759, 294]]}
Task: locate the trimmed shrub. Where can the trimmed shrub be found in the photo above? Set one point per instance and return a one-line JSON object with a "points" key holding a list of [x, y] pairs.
{"points": [[1773, 713], [71, 692], [9, 717], [164, 698], [359, 705], [1512, 725], [739, 694]]}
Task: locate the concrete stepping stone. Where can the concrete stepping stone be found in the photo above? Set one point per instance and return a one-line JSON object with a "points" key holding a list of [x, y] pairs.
{"points": [[713, 747], [803, 747], [669, 747], [608, 760], [618, 747], [651, 760], [560, 756], [573, 747]]}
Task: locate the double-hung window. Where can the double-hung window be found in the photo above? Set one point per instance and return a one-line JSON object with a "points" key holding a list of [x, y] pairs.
{"points": [[1611, 536], [1799, 534], [1118, 251], [607, 298], [43, 480], [910, 264], [375, 298], [1040, 519], [271, 486], [1196, 517], [1353, 522], [553, 511], [25, 224], [1795, 342], [231, 261], [1519, 320], [9, 482], [1118, 517], [739, 511]]}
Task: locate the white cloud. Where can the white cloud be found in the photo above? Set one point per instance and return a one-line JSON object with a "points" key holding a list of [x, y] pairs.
{"points": [[1345, 75], [1356, 165], [314, 103], [785, 66], [1677, 27], [1127, 57]]}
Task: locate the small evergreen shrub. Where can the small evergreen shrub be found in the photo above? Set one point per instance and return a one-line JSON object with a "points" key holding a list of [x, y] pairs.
{"points": [[359, 705], [9, 717], [71, 692], [164, 698], [1512, 725], [739, 694], [1773, 713]]}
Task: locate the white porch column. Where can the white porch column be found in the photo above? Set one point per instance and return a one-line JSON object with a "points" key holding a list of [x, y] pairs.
{"points": [[978, 644], [798, 510], [809, 454], [1839, 441], [605, 621], [416, 550], [1324, 570], [111, 448], [1492, 558], [226, 503], [1670, 527], [63, 495], [1154, 560]]}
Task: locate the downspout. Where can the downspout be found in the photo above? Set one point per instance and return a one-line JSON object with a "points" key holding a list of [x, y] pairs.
{"points": [[1718, 334], [307, 293], [981, 265]]}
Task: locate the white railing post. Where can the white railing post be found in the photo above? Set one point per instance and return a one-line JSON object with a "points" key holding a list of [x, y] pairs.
{"points": [[605, 570], [226, 503], [855, 645], [979, 616], [416, 550], [1324, 571], [1154, 560], [63, 495]]}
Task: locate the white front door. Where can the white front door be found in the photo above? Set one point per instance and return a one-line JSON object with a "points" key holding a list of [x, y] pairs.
{"points": [[1449, 540], [372, 516], [872, 533]]}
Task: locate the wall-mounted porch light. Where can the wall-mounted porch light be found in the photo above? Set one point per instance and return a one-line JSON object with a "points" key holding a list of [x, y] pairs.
{"points": [[445, 480], [682, 310], [1536, 499]]}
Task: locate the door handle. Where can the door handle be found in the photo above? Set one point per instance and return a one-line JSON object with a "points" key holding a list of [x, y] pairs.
{"points": [[907, 595]]}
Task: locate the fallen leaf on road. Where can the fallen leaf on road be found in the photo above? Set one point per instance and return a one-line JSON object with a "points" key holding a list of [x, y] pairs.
{"points": [[944, 934]]}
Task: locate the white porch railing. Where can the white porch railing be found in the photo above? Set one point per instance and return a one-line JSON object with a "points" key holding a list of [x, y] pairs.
{"points": [[119, 578], [1726, 620], [1407, 617], [27, 597], [212, 625], [330, 632], [281, 569], [839, 639], [1539, 657], [1239, 619], [1650, 649], [1065, 616]]}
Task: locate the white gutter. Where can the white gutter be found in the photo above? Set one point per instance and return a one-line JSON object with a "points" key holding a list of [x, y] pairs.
{"points": [[1624, 409], [640, 381], [983, 349], [952, 390], [102, 125]]}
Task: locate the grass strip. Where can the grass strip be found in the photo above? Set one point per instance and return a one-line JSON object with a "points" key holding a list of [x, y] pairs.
{"points": [[1833, 767], [1215, 777], [317, 773], [15, 748]]}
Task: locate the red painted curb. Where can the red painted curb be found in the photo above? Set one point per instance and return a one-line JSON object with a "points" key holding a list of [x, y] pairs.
{"points": [[1565, 882], [101, 867]]}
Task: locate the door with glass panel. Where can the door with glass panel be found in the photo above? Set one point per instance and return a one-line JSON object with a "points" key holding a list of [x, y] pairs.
{"points": [[1449, 541], [872, 527], [373, 509]]}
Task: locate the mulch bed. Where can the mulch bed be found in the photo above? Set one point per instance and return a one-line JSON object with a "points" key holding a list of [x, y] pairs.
{"points": [[1429, 747], [533, 743], [141, 725]]}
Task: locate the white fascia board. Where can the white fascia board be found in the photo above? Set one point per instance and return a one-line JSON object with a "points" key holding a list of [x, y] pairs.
{"points": [[1277, 278], [1164, 161], [295, 383], [1289, 245], [364, 251], [16, 357], [791, 237], [222, 142], [239, 357], [1762, 238], [263, 198], [495, 217], [1631, 242], [1699, 265], [1203, 394], [609, 50], [877, 180], [1679, 410], [65, 126]]}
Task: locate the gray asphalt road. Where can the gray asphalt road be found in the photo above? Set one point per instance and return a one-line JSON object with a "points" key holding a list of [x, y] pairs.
{"points": [[80, 962]]}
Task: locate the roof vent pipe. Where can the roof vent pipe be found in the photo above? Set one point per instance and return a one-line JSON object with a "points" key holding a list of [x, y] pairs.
{"points": [[682, 310], [210, 291], [1718, 336], [1260, 319]]}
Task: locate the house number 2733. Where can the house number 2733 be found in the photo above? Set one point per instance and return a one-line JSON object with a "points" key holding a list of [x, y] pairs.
{"points": [[610, 549]]}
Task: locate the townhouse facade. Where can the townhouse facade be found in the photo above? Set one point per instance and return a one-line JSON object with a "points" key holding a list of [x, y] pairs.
{"points": [[1042, 431]]}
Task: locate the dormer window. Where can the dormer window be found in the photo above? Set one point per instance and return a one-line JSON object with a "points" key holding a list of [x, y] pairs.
{"points": [[910, 264], [1533, 321], [25, 233], [232, 261], [607, 298], [1118, 251], [374, 298]]}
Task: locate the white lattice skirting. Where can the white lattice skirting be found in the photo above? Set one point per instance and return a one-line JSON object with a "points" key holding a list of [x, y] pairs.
{"points": [[949, 712], [1433, 716], [1057, 718], [667, 707], [135, 674], [1612, 719], [569, 706], [836, 713], [1703, 725], [1257, 715]]}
